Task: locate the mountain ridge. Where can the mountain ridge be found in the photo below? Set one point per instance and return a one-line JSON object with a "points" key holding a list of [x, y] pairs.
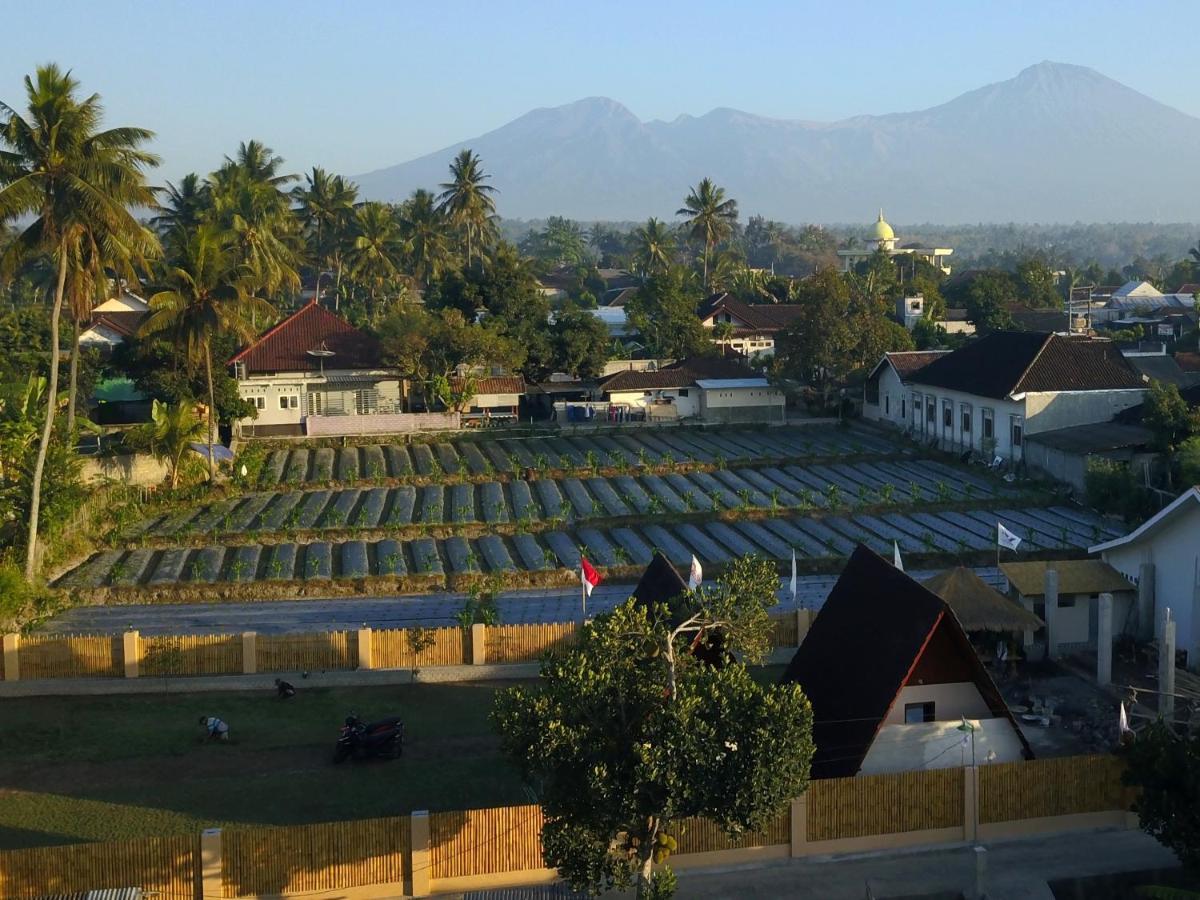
{"points": [[1055, 143]]}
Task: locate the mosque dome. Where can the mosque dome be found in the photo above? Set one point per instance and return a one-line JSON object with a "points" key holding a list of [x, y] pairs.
{"points": [[882, 231]]}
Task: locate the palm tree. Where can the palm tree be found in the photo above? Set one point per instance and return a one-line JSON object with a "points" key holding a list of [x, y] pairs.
{"points": [[710, 217], [325, 206], [206, 294], [181, 208], [653, 247], [169, 433], [424, 229], [378, 247], [467, 201], [62, 169]]}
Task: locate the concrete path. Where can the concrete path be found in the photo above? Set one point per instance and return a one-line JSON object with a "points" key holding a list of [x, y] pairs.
{"points": [[1017, 870], [339, 614]]}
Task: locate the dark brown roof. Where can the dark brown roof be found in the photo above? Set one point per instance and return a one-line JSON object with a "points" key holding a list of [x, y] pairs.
{"points": [[285, 348], [908, 362], [762, 317], [123, 322], [1189, 362], [494, 384], [860, 652], [1005, 363], [1037, 319], [979, 606], [1189, 287], [619, 296], [682, 374]]}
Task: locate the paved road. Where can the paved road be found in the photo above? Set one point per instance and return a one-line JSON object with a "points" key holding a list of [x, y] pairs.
{"points": [[282, 617]]}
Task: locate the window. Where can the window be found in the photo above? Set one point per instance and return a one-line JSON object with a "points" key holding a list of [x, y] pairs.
{"points": [[966, 418], [283, 402], [903, 411], [930, 411], [947, 414], [683, 392], [887, 404], [1066, 602], [916, 713], [1018, 429], [989, 428], [260, 402]]}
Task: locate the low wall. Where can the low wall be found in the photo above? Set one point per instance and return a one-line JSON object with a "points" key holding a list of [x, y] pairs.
{"points": [[381, 423], [127, 468]]}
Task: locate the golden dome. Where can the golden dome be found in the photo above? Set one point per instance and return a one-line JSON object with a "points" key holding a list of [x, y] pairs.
{"points": [[882, 231]]}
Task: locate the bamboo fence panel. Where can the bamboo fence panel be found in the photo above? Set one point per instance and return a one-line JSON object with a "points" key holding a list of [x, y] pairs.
{"points": [[522, 643], [319, 652], [167, 867], [1050, 787], [390, 649], [486, 841], [192, 654], [884, 804], [325, 857], [75, 656], [702, 835], [783, 630]]}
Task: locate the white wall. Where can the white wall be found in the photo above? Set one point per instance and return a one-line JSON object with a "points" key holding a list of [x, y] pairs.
{"points": [[1064, 409], [688, 405], [951, 702], [266, 390], [939, 745], [893, 403], [1175, 551]]}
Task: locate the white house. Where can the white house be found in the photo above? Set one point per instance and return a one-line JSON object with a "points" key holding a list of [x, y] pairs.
{"points": [[753, 326], [990, 394], [712, 389], [1162, 556], [887, 394], [114, 321], [313, 365]]}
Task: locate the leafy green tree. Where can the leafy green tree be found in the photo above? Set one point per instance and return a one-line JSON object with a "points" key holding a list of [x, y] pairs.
{"points": [[467, 202], [561, 242], [710, 217], [608, 242], [1170, 419], [628, 733], [169, 434], [378, 251], [652, 247], [181, 208], [325, 204], [426, 237], [1188, 456], [1166, 768], [664, 312], [1036, 283], [70, 177], [580, 341], [987, 300]]}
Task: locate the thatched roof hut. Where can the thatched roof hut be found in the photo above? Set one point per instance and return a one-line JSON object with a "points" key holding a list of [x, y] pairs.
{"points": [[979, 606]]}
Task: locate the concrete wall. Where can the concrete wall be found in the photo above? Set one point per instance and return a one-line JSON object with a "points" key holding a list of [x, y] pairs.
{"points": [[381, 423], [685, 400], [743, 405], [1047, 412], [265, 392], [951, 702], [128, 468], [939, 745], [1175, 552], [893, 401]]}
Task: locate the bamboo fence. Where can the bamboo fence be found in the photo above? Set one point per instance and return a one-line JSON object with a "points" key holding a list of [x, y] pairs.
{"points": [[191, 654], [322, 652], [167, 867], [486, 841], [326, 857], [704, 836], [522, 643], [75, 656], [783, 630], [884, 804], [391, 649], [1050, 787]]}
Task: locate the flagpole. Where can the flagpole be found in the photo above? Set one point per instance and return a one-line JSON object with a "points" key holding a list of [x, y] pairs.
{"points": [[583, 592]]}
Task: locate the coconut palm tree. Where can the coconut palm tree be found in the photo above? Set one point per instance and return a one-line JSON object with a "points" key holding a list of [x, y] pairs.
{"points": [[182, 207], [325, 206], [59, 167], [467, 202], [652, 247], [424, 229], [169, 434], [378, 248], [206, 293], [710, 217]]}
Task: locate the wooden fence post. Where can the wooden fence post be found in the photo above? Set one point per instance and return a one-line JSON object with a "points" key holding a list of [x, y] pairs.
{"points": [[422, 860], [249, 653], [970, 803], [366, 657], [803, 623], [12, 657], [212, 863], [799, 823], [131, 651], [478, 644]]}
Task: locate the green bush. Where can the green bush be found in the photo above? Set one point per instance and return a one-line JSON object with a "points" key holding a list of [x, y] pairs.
{"points": [[1113, 488]]}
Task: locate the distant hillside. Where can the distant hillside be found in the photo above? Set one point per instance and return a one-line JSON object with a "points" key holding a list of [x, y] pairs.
{"points": [[1057, 143]]}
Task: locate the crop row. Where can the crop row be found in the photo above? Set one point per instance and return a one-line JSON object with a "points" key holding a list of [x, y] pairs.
{"points": [[488, 456], [1057, 528], [540, 501]]}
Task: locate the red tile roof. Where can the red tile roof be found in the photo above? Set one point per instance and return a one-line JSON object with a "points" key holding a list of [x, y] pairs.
{"points": [[762, 317], [285, 348], [494, 384], [906, 362], [123, 322]]}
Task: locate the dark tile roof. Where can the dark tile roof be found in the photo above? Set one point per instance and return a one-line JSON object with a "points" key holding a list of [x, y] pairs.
{"points": [[495, 384], [1189, 287], [285, 348], [860, 652], [762, 317], [1028, 319], [909, 362], [682, 374], [1004, 363], [125, 323], [619, 296], [1165, 369]]}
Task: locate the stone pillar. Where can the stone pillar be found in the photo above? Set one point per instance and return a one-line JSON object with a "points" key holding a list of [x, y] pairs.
{"points": [[249, 653], [211, 863], [799, 820], [1166, 667], [1027, 634], [1104, 639], [478, 644], [980, 873], [1050, 593], [422, 859], [12, 657], [1145, 601], [131, 651], [366, 654], [970, 803]]}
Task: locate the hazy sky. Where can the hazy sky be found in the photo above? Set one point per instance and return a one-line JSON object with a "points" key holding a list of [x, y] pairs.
{"points": [[355, 86]]}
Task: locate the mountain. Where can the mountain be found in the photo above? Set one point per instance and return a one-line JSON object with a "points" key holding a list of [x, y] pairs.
{"points": [[1057, 143]]}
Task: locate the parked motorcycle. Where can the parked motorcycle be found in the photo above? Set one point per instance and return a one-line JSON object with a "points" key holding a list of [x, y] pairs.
{"points": [[361, 740]]}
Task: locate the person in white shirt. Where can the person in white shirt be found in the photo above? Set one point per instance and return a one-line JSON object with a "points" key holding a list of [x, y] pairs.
{"points": [[217, 729]]}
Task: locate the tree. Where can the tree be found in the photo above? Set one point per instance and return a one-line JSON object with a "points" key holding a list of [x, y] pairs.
{"points": [[652, 247], [184, 208], [1170, 419], [629, 733], [468, 202], [1189, 460], [710, 217], [1036, 284], [325, 205], [169, 434], [580, 342], [205, 295], [986, 301], [66, 173], [378, 249], [561, 242], [1166, 767], [426, 242], [664, 312]]}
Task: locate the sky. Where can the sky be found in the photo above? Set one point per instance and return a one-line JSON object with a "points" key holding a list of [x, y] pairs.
{"points": [[356, 86]]}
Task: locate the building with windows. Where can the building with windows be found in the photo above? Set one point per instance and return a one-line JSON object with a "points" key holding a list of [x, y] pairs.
{"points": [[752, 327], [883, 237], [114, 321], [988, 395], [711, 389], [313, 365]]}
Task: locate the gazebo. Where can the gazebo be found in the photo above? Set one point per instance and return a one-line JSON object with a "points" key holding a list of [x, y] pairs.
{"points": [[977, 605]]}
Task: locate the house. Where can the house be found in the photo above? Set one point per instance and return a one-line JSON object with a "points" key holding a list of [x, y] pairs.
{"points": [[883, 237], [988, 395], [1162, 556], [711, 389], [754, 326], [314, 365], [1073, 618], [496, 396], [886, 393], [894, 682], [114, 321]]}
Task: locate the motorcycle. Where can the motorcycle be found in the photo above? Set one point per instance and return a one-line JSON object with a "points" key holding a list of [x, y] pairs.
{"points": [[383, 738]]}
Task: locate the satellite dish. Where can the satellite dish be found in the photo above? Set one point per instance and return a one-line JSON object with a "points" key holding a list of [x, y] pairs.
{"points": [[322, 353]]}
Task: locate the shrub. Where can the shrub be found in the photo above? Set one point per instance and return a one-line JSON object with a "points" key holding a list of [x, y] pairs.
{"points": [[1112, 488]]}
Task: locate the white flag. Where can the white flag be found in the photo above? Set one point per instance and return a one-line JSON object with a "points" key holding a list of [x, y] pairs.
{"points": [[696, 575], [1123, 722], [1006, 538], [896, 560], [793, 576]]}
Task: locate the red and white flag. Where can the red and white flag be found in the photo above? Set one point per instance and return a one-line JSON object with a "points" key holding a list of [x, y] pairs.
{"points": [[588, 576]]}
